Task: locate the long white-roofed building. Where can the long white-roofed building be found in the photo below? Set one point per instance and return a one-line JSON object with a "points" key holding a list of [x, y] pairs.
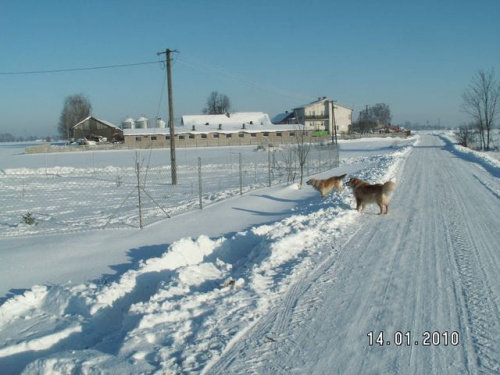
{"points": [[240, 128]]}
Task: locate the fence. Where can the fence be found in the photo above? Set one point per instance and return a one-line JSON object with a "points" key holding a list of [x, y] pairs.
{"points": [[63, 199]]}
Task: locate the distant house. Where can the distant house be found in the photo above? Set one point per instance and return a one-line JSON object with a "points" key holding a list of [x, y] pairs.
{"points": [[94, 129], [243, 128], [320, 115]]}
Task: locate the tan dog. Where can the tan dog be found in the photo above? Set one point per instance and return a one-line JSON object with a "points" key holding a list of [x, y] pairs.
{"points": [[366, 193], [325, 186]]}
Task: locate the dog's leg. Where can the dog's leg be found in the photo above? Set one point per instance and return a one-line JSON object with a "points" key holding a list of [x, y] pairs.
{"points": [[361, 205], [381, 204], [358, 204]]}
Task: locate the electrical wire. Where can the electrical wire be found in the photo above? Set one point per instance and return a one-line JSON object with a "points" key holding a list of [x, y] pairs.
{"points": [[161, 95], [79, 69], [194, 63]]}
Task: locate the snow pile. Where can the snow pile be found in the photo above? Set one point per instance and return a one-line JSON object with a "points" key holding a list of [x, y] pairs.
{"points": [[482, 158], [178, 312]]}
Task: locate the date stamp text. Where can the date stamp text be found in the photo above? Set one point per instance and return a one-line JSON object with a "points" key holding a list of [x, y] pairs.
{"points": [[427, 338]]}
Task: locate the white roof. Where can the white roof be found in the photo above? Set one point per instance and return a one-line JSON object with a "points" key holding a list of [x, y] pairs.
{"points": [[232, 119], [323, 99], [253, 122], [179, 129], [95, 118]]}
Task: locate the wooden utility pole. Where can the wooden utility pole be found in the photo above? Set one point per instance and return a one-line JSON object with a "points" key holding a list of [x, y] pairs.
{"points": [[334, 124], [173, 162]]}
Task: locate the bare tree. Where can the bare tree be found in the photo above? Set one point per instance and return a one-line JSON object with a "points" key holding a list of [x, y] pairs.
{"points": [[372, 117], [481, 101], [465, 135], [303, 143], [76, 108], [217, 104], [381, 113]]}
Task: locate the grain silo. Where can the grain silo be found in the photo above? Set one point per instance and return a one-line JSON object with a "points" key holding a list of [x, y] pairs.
{"points": [[160, 123], [142, 123], [128, 123]]}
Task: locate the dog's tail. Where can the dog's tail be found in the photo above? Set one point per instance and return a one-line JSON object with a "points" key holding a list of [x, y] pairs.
{"points": [[388, 187]]}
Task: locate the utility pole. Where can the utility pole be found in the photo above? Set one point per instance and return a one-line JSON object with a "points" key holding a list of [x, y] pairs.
{"points": [[173, 162], [334, 124]]}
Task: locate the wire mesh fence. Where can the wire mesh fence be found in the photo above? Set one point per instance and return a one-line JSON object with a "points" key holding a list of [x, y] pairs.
{"points": [[58, 200]]}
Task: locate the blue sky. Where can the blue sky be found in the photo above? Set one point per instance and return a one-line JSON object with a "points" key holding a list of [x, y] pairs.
{"points": [[266, 55]]}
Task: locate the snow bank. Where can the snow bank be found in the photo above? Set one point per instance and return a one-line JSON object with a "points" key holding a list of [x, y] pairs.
{"points": [[178, 312], [484, 159]]}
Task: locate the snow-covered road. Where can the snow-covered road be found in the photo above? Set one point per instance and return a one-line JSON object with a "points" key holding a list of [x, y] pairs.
{"points": [[431, 266]]}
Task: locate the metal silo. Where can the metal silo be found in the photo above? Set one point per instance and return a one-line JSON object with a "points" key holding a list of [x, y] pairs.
{"points": [[128, 123], [142, 123], [160, 123]]}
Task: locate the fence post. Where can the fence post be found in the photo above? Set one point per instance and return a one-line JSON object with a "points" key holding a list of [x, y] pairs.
{"points": [[139, 193], [319, 158], [269, 164], [241, 174], [199, 183]]}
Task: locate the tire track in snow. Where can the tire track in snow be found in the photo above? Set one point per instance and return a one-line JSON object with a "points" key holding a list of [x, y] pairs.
{"points": [[420, 278], [466, 239], [271, 337]]}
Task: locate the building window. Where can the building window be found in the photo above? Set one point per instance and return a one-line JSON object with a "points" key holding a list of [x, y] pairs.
{"points": [[229, 135], [278, 134], [203, 136], [265, 134], [153, 138], [253, 134], [138, 139], [292, 134], [241, 135], [216, 135], [181, 137], [191, 136], [167, 137]]}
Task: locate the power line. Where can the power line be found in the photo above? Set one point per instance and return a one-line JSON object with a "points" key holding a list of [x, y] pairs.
{"points": [[194, 63], [80, 69]]}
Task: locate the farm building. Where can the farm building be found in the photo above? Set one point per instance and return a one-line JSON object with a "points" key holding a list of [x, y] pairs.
{"points": [[95, 129], [244, 128], [319, 115]]}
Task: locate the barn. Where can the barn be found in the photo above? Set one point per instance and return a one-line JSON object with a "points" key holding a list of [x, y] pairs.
{"points": [[94, 129]]}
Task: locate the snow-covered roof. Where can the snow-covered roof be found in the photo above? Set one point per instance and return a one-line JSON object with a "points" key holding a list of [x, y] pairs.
{"points": [[323, 99], [282, 116], [179, 129], [249, 122], [102, 121], [231, 119]]}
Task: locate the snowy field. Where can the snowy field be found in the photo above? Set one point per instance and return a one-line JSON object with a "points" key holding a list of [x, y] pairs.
{"points": [[67, 192], [276, 281]]}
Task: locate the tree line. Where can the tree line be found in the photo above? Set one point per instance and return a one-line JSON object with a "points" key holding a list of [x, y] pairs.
{"points": [[7, 137]]}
